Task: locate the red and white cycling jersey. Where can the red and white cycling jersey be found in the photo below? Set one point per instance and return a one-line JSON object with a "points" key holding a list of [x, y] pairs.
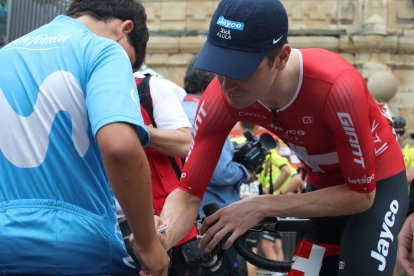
{"points": [[333, 124]]}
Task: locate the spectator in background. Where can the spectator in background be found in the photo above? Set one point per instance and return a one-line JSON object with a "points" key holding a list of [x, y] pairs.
{"points": [[253, 187], [406, 238], [400, 127], [195, 82], [294, 161], [69, 132], [170, 140], [275, 174], [224, 186], [145, 70], [283, 176]]}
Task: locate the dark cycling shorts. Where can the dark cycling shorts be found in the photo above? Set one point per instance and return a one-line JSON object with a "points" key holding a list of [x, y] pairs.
{"points": [[368, 241]]}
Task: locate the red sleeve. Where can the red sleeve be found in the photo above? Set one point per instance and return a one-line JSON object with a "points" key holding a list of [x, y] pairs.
{"points": [[348, 116], [211, 127]]}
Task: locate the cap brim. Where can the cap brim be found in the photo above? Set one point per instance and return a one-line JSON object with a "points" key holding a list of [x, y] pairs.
{"points": [[233, 64]]}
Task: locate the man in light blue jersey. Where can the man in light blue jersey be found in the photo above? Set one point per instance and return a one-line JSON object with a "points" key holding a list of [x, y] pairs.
{"points": [[70, 125]]}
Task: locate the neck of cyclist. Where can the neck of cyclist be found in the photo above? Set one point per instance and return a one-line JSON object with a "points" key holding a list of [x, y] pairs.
{"points": [[285, 84]]}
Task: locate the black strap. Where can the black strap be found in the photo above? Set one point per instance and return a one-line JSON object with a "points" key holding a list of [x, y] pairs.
{"points": [[145, 97], [146, 102], [177, 169], [270, 176]]}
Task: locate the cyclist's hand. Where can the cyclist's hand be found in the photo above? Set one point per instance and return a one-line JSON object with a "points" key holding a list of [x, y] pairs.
{"points": [[154, 261], [232, 221], [405, 245]]}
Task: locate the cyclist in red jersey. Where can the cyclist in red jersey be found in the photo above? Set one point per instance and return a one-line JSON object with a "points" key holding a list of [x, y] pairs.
{"points": [[319, 105]]}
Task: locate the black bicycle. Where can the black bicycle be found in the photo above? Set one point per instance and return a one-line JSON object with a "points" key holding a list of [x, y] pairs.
{"points": [[308, 254]]}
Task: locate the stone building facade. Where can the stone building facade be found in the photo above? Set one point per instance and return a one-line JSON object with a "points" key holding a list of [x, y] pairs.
{"points": [[376, 36]]}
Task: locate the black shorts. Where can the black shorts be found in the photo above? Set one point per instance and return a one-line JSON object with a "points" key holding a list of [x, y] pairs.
{"points": [[368, 241]]}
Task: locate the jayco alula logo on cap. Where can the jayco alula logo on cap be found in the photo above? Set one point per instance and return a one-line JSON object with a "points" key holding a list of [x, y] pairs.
{"points": [[230, 24]]}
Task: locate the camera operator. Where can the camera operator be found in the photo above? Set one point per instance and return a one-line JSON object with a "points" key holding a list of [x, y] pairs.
{"points": [[224, 185]]}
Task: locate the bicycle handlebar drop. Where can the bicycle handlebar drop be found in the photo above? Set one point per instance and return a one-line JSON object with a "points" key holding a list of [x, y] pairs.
{"points": [[277, 225], [271, 265]]}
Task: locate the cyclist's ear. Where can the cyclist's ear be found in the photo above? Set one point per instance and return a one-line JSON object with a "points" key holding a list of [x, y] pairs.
{"points": [[283, 57], [127, 26], [122, 30]]}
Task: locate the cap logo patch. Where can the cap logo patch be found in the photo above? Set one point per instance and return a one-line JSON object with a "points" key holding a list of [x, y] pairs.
{"points": [[225, 34], [230, 24], [275, 41]]}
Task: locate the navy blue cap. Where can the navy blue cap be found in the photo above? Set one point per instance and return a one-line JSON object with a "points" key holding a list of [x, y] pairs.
{"points": [[241, 34]]}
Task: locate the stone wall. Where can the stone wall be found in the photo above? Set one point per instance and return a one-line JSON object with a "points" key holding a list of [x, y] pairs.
{"points": [[376, 36]]}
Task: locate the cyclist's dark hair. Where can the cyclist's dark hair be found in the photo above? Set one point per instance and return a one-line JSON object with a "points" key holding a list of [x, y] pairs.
{"points": [[107, 10], [195, 80], [398, 122]]}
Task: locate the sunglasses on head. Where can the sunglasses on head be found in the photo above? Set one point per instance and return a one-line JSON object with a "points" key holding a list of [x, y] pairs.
{"points": [[400, 132]]}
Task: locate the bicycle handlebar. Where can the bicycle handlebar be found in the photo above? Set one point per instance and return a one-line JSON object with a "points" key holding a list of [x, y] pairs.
{"points": [[271, 265], [280, 225]]}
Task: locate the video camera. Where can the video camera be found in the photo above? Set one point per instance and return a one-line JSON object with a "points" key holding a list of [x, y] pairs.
{"points": [[252, 153]]}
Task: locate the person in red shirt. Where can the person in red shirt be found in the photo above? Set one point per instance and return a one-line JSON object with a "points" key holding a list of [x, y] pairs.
{"points": [[318, 105], [170, 139]]}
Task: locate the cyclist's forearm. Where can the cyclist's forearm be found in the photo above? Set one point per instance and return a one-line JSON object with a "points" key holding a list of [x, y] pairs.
{"points": [[333, 201], [134, 194], [180, 212]]}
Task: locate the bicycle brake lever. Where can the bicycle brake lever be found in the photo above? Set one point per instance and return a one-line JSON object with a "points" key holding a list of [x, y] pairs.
{"points": [[209, 209], [269, 220], [268, 223]]}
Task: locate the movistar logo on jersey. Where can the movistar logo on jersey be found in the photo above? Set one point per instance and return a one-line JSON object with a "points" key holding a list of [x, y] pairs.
{"points": [[42, 39], [27, 145], [230, 24]]}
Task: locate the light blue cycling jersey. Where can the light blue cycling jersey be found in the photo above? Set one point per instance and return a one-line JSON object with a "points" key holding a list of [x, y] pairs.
{"points": [[58, 86]]}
